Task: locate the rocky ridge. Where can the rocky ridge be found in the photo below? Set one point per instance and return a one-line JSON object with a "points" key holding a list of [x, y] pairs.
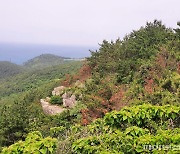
{"points": [[69, 101]]}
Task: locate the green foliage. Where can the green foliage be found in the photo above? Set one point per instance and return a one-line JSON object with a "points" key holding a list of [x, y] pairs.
{"points": [[14, 122], [106, 59], [138, 141], [55, 131], [128, 131], [172, 82], [56, 100], [34, 143], [177, 30], [67, 118], [20, 110], [136, 131], [32, 79], [125, 71], [103, 136], [125, 56], [162, 138], [142, 115], [8, 69], [144, 42]]}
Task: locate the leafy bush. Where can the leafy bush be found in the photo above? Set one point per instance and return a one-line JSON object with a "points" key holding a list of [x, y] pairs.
{"points": [[55, 131], [162, 98], [136, 141], [142, 115], [130, 131], [56, 100], [34, 143], [14, 122]]}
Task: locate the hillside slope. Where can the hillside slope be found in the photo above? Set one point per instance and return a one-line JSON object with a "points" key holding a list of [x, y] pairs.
{"points": [[44, 60], [19, 100], [135, 91], [31, 79], [9, 69]]}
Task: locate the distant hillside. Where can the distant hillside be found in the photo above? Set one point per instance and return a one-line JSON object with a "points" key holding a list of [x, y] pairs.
{"points": [[31, 79], [8, 69], [44, 60]]}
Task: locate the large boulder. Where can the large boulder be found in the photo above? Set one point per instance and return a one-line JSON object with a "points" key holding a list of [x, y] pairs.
{"points": [[69, 100], [50, 109], [58, 91]]}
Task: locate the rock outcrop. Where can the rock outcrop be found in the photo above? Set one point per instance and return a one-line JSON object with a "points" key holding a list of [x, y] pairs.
{"points": [[50, 109], [58, 91], [69, 100]]}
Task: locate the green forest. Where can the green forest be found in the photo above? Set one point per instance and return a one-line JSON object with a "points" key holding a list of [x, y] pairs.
{"points": [[128, 95]]}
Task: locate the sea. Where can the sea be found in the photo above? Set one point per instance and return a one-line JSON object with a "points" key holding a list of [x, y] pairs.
{"points": [[20, 53]]}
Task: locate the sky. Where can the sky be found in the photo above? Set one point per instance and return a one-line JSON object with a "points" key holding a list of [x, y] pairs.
{"points": [[71, 28], [79, 22]]}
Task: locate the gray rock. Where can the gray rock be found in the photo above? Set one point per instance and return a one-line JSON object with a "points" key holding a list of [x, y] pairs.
{"points": [[58, 91], [69, 100], [50, 109]]}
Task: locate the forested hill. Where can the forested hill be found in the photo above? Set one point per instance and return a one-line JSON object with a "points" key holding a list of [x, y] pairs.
{"points": [[44, 60], [127, 101], [8, 69]]}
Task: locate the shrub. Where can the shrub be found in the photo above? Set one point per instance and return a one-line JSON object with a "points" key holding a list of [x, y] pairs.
{"points": [[56, 131], [34, 143], [56, 100], [142, 115], [133, 140]]}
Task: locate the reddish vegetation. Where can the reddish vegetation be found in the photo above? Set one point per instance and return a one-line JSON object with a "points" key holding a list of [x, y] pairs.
{"points": [[85, 117], [95, 113], [106, 101], [161, 61], [117, 100], [83, 74], [114, 103], [149, 86], [68, 80], [84, 122], [165, 61], [88, 115]]}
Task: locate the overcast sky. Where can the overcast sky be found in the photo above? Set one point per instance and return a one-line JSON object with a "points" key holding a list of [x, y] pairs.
{"points": [[79, 22]]}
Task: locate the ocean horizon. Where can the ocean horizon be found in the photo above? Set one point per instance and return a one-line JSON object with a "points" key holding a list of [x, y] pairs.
{"points": [[20, 53]]}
